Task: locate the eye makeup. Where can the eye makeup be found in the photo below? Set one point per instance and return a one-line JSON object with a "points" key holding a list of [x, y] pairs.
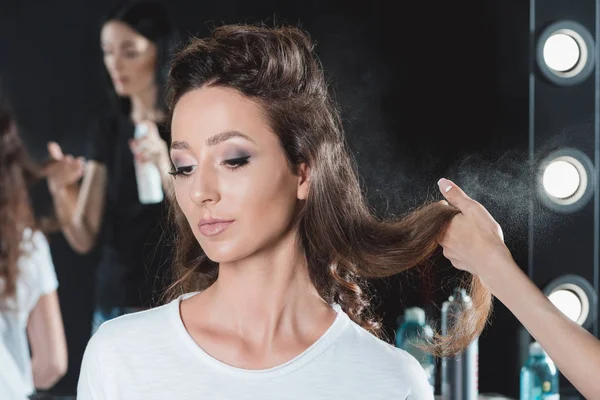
{"points": [[233, 159]]}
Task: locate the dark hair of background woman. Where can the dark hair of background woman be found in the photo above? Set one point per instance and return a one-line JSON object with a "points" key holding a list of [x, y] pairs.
{"points": [[151, 19]]}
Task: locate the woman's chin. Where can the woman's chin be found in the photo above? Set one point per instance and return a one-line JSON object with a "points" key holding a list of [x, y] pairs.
{"points": [[226, 254], [220, 255], [122, 91]]}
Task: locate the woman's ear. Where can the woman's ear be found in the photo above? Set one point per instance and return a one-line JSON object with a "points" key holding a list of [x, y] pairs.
{"points": [[303, 174]]}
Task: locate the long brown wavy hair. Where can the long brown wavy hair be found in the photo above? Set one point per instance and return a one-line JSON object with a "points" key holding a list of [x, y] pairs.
{"points": [[345, 244], [17, 172]]}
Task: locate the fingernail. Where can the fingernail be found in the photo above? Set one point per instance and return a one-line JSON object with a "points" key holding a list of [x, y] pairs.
{"points": [[444, 185]]}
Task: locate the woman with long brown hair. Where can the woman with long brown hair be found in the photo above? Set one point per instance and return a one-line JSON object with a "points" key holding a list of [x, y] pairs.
{"points": [[274, 244], [28, 301]]}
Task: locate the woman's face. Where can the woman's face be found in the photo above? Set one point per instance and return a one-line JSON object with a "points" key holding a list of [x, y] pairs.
{"points": [[129, 57], [231, 167]]}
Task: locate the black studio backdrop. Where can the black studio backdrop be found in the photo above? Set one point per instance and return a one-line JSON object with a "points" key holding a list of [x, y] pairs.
{"points": [[421, 85]]}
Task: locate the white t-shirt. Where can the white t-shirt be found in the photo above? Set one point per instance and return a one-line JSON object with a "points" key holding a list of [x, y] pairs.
{"points": [[36, 278], [150, 355]]}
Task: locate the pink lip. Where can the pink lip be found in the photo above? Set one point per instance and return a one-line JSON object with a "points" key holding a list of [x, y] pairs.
{"points": [[213, 226], [121, 80]]}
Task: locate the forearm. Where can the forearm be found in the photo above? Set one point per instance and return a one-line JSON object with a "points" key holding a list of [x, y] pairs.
{"points": [[45, 375], [71, 219], [575, 351], [46, 335]]}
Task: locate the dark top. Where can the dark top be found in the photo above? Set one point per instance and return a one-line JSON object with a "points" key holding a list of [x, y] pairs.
{"points": [[134, 251]]}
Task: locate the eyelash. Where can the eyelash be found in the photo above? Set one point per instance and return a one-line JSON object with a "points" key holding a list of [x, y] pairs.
{"points": [[233, 164]]}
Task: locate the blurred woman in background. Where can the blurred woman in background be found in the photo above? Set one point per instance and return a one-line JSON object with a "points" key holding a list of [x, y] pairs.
{"points": [[28, 299], [104, 208]]}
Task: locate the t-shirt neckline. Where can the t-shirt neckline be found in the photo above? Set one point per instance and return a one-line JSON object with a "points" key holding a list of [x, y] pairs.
{"points": [[308, 355]]}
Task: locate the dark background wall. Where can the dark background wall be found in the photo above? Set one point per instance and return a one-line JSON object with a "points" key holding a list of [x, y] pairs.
{"points": [[426, 88]]}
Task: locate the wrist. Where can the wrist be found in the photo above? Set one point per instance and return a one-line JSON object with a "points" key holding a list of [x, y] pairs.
{"points": [[56, 189], [61, 192], [499, 270]]}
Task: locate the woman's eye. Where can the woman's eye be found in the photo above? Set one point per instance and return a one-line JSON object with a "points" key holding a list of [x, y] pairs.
{"points": [[183, 171], [234, 163]]}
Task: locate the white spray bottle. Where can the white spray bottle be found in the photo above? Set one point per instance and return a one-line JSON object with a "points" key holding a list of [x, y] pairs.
{"points": [[147, 175]]}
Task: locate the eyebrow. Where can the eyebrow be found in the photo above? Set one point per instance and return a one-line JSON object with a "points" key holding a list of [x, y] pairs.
{"points": [[213, 140]]}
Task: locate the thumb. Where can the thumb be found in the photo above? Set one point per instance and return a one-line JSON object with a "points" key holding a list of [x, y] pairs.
{"points": [[454, 194], [55, 151]]}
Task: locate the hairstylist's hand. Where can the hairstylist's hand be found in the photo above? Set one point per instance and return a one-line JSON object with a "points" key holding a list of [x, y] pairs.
{"points": [[62, 170], [151, 147], [473, 241]]}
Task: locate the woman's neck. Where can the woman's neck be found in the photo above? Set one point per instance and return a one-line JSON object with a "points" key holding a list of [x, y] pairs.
{"points": [[144, 105], [265, 294]]}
